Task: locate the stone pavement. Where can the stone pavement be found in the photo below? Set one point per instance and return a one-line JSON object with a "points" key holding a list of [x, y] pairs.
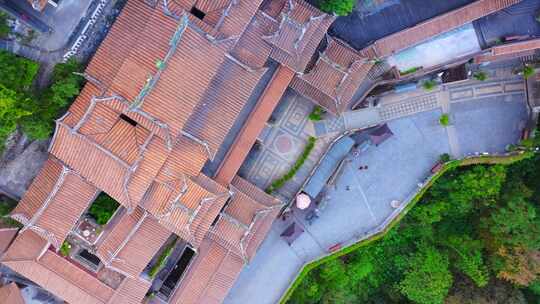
{"points": [[281, 143], [485, 121], [360, 200]]}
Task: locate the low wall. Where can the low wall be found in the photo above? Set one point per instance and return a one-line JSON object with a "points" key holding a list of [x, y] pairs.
{"points": [[364, 239]]}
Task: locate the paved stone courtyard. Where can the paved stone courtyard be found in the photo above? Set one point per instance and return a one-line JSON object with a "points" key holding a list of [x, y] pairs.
{"points": [[281, 143], [285, 136], [487, 118]]}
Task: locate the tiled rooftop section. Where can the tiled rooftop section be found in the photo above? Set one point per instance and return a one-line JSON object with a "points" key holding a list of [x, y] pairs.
{"points": [[141, 59], [245, 221], [165, 88], [333, 80], [212, 274], [185, 206], [488, 57], [11, 294], [401, 40], [251, 47], [227, 94], [115, 48], [246, 138], [29, 256], [61, 198], [187, 157], [6, 237], [39, 191], [132, 290], [301, 28], [143, 241], [192, 67]]}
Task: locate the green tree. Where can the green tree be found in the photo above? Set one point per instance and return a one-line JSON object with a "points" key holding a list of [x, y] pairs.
{"points": [[468, 258], [338, 7], [65, 87], [103, 208], [10, 111], [428, 278], [17, 73], [4, 27], [515, 224]]}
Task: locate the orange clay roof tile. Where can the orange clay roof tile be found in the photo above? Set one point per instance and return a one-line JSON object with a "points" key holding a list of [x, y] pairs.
{"points": [[211, 275], [11, 294]]}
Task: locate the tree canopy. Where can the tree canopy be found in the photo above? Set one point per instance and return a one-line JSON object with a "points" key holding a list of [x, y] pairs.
{"points": [[22, 105], [338, 7], [474, 234]]}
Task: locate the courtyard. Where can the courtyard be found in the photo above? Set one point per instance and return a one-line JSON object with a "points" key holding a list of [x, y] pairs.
{"points": [[487, 120]]}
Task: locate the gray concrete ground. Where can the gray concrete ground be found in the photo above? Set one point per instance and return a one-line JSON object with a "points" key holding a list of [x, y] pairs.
{"points": [[20, 163], [62, 21], [485, 121]]}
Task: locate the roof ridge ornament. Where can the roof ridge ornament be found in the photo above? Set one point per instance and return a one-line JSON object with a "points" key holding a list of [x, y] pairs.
{"points": [[152, 80]]}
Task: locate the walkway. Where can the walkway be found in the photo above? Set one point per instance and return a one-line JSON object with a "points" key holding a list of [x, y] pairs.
{"points": [[486, 121]]}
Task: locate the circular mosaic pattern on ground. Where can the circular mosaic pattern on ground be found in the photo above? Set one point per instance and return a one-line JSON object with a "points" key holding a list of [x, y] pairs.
{"points": [[283, 143]]}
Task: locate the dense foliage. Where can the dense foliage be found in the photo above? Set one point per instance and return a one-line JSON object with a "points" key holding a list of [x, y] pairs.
{"points": [[480, 75], [103, 208], [473, 238], [54, 100], [338, 7], [6, 206], [4, 26], [34, 111], [65, 249]]}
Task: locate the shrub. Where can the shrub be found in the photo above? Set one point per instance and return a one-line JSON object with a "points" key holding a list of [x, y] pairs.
{"points": [[65, 249], [103, 208], [316, 114], [409, 71], [429, 85], [480, 75], [444, 120], [160, 263], [444, 158], [338, 7], [6, 206], [527, 71], [299, 162], [17, 73]]}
